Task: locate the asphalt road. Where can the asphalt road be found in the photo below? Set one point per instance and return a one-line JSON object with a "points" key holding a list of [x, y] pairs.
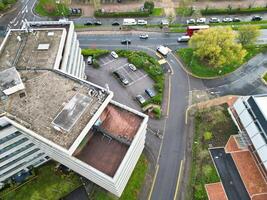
{"points": [[21, 11], [157, 20]]}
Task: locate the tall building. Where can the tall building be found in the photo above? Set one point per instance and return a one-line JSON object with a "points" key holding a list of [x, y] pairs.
{"points": [[48, 110]]}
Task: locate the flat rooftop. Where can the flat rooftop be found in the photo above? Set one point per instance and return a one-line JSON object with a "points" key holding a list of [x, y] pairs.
{"points": [[23, 49], [53, 105], [105, 145]]}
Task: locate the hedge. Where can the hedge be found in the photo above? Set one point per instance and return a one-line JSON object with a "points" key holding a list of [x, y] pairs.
{"points": [[121, 14], [215, 11], [96, 53]]}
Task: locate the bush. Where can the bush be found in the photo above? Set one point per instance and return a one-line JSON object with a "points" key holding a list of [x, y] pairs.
{"points": [[98, 13], [229, 10], [51, 8], [157, 112], [207, 135], [5, 4], [149, 5], [96, 64]]}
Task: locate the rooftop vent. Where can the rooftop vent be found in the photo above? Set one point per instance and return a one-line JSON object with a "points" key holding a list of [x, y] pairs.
{"points": [[50, 34], [22, 94], [43, 46]]}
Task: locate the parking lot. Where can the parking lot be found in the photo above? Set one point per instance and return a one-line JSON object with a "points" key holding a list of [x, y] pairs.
{"points": [[138, 80]]}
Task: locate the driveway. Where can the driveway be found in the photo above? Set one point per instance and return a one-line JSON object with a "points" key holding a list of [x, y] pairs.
{"points": [[229, 175]]}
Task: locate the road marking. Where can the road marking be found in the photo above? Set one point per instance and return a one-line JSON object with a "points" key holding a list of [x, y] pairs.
{"points": [[170, 67], [153, 183], [178, 179], [168, 105], [138, 79], [108, 62]]}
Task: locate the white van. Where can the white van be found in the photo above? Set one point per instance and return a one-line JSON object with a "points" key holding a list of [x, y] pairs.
{"points": [[184, 38], [163, 50], [129, 22]]}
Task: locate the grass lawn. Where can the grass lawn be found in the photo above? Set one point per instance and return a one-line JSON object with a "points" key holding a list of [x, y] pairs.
{"points": [[43, 6], [157, 12], [133, 186], [199, 69], [48, 185], [213, 126], [265, 77]]}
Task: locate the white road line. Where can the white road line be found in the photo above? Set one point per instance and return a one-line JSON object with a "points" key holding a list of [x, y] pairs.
{"points": [[108, 62], [138, 79]]}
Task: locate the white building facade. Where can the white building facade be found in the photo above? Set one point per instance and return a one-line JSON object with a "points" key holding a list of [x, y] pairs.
{"points": [[250, 115]]}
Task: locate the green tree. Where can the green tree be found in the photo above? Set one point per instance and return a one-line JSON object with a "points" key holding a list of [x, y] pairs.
{"points": [[248, 35], [149, 5], [2, 5], [217, 47]]}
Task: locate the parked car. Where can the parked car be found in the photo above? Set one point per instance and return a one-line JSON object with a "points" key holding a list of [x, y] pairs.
{"points": [[256, 18], [164, 22], [184, 38], [214, 20], [140, 99], [75, 11], [115, 23], [132, 67], [97, 23], [121, 78], [227, 19], [150, 92], [201, 20], [236, 19], [141, 22], [127, 41], [90, 60], [114, 54], [143, 36], [89, 23], [191, 21]]}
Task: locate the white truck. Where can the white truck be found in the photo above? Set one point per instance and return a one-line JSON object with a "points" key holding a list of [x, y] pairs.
{"points": [[129, 22]]}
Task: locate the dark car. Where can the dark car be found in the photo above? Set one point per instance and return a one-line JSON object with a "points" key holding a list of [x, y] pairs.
{"points": [[126, 42], [236, 19], [121, 78], [256, 18], [97, 23], [150, 92], [88, 23], [115, 23]]}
